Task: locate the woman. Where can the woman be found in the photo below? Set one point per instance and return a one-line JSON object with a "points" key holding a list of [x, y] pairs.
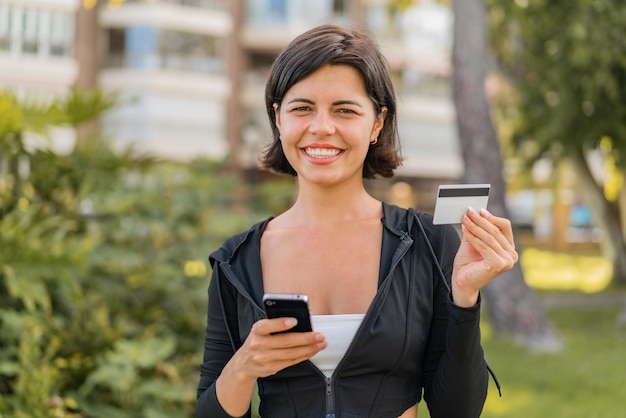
{"points": [[394, 299]]}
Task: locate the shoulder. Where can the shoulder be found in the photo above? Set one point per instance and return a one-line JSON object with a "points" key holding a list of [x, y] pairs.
{"points": [[237, 242], [444, 239], [406, 219], [420, 224]]}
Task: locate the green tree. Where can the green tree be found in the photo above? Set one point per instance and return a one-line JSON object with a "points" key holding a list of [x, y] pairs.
{"points": [[35, 117], [41, 256], [567, 64], [103, 275], [513, 308]]}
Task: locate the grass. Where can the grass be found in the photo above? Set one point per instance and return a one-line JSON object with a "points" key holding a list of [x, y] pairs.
{"points": [[586, 379], [587, 273]]}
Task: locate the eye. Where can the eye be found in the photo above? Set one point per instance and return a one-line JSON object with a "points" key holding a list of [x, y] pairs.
{"points": [[300, 109]]}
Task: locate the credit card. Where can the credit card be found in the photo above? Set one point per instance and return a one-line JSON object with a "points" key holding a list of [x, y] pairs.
{"points": [[453, 200]]}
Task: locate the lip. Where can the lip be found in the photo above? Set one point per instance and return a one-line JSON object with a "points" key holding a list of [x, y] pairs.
{"points": [[326, 159]]}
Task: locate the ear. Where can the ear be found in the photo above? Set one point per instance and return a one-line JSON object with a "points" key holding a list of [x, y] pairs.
{"points": [[276, 115], [380, 122]]}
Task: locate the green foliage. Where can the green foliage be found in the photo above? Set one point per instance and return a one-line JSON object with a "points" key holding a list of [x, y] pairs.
{"points": [[32, 117], [103, 275], [568, 64], [37, 116], [11, 120], [274, 196]]}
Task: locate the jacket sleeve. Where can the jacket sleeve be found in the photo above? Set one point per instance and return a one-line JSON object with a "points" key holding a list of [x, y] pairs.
{"points": [[456, 376], [218, 347]]}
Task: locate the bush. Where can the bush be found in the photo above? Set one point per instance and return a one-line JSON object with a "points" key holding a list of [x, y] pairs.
{"points": [[103, 278]]}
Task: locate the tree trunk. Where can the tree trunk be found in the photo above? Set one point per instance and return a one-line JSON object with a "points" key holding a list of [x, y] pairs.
{"points": [[86, 47], [605, 217], [622, 208], [621, 319], [87, 53], [513, 308], [236, 70]]}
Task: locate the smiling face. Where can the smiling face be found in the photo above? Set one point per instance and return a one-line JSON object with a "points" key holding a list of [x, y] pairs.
{"points": [[327, 122]]}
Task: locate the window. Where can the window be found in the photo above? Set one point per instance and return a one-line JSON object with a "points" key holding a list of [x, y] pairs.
{"points": [[141, 47], [152, 48], [191, 52], [61, 34], [116, 45], [5, 27], [339, 7], [30, 29]]}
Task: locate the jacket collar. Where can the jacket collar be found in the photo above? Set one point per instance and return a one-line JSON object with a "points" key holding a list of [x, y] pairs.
{"points": [[394, 219], [238, 259]]}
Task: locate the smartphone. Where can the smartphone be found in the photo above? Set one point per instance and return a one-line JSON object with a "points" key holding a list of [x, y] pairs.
{"points": [[289, 305]]}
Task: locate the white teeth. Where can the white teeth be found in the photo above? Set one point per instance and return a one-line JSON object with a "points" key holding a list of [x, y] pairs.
{"points": [[321, 152]]}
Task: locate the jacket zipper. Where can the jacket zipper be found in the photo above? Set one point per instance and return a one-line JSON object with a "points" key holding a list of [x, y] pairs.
{"points": [[330, 400], [330, 396]]}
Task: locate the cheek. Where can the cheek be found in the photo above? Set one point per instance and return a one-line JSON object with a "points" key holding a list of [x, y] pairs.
{"points": [[289, 131], [288, 141]]}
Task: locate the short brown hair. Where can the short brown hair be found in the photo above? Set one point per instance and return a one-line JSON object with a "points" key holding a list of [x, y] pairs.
{"points": [[335, 45]]}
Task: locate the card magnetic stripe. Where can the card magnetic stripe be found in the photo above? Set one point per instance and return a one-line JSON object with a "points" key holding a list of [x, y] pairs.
{"points": [[465, 192]]}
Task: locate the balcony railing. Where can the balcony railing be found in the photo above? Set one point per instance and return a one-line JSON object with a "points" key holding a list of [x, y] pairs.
{"points": [[221, 5], [199, 65]]}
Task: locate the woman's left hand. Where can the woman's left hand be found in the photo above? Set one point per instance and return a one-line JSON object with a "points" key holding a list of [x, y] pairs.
{"points": [[487, 249]]}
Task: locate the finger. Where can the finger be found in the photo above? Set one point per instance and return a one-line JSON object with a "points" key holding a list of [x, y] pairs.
{"points": [[267, 334], [486, 239], [291, 350], [503, 224], [492, 262], [297, 339], [492, 230], [496, 254], [506, 229], [303, 347], [275, 325]]}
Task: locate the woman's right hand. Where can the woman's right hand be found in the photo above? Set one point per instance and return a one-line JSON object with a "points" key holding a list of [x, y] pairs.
{"points": [[263, 354]]}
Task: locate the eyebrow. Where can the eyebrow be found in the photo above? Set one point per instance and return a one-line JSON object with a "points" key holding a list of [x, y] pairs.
{"points": [[337, 103]]}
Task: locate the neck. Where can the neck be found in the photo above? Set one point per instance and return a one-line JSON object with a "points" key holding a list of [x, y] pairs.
{"points": [[318, 206]]}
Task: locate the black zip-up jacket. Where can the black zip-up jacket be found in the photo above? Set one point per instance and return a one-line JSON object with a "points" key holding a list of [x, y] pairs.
{"points": [[412, 339]]}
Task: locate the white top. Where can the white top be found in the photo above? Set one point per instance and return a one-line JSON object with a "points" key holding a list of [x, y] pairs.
{"points": [[339, 331]]}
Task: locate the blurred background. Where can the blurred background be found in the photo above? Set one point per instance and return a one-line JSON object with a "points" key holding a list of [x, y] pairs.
{"points": [[129, 134]]}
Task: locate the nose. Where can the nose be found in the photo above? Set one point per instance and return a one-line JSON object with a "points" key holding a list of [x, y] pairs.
{"points": [[322, 124]]}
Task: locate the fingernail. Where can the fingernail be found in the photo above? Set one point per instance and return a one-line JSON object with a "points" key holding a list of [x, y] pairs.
{"points": [[484, 212], [471, 209], [291, 322]]}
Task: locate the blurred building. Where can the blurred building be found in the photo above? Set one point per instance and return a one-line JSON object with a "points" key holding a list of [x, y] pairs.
{"points": [[170, 61], [191, 73], [36, 45], [417, 44], [36, 52]]}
